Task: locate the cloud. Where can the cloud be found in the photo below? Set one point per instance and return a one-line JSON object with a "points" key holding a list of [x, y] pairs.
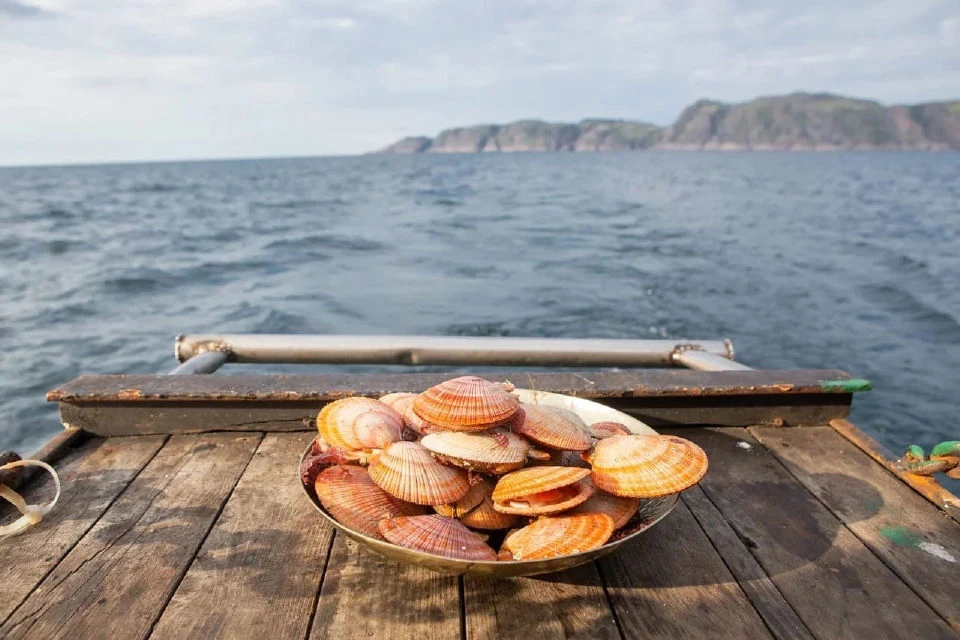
{"points": [[14, 9], [113, 79]]}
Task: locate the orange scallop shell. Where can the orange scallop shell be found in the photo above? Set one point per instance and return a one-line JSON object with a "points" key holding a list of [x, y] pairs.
{"points": [[437, 535], [515, 493], [620, 509], [646, 466], [359, 424], [557, 536], [601, 430], [403, 403], [496, 451], [408, 471], [467, 503], [466, 403], [552, 427], [352, 498]]}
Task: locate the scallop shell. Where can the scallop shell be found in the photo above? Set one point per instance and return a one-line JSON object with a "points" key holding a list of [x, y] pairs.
{"points": [[359, 424], [467, 503], [352, 498], [437, 535], [552, 427], [403, 403], [485, 516], [557, 536], [620, 509], [646, 466], [408, 471], [601, 430], [466, 403], [561, 488], [495, 451]]}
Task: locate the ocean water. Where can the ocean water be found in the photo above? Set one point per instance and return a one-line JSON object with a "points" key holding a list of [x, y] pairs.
{"points": [[842, 260]]}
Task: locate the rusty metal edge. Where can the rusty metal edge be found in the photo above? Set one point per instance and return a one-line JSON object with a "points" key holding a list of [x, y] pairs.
{"points": [[926, 486], [53, 450]]}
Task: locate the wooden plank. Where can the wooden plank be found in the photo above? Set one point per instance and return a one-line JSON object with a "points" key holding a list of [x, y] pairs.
{"points": [[908, 533], [267, 552], [117, 579], [92, 476], [367, 596], [570, 604], [837, 586], [778, 615], [671, 583], [327, 387], [924, 485]]}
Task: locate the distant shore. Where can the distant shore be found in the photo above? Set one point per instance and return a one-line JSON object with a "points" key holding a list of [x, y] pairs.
{"points": [[794, 122]]}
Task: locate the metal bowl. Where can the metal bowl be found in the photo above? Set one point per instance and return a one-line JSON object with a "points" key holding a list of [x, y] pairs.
{"points": [[651, 511]]}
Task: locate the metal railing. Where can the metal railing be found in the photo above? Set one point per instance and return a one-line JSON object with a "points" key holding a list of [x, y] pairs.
{"points": [[205, 353]]}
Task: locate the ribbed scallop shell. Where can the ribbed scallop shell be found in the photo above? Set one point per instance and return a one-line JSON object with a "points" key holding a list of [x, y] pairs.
{"points": [[408, 471], [552, 427], [535, 480], [403, 403], [620, 509], [437, 535], [496, 451], [359, 424], [646, 466], [466, 403], [549, 503], [484, 516], [467, 503], [601, 430], [352, 498], [557, 536]]}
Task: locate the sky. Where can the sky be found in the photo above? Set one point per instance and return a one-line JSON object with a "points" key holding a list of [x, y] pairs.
{"points": [[118, 80]]}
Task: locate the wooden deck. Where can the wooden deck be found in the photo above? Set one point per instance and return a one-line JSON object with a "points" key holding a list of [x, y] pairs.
{"points": [[793, 533]]}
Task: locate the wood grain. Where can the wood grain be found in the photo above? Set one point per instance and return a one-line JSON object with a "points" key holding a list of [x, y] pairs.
{"points": [[837, 586], [259, 569], [570, 604], [907, 532], [780, 618], [671, 583], [119, 576], [367, 596], [92, 476]]}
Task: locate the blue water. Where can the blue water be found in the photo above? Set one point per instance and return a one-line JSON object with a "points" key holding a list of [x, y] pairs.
{"points": [[839, 260]]}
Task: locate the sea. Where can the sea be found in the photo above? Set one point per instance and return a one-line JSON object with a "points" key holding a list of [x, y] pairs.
{"points": [[811, 260]]}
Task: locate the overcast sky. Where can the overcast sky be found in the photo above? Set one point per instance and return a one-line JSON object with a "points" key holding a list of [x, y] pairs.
{"points": [[103, 80]]}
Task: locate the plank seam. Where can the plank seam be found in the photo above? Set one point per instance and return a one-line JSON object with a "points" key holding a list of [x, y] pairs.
{"points": [[461, 594], [316, 598], [755, 559], [832, 512], [83, 535], [606, 594], [213, 521]]}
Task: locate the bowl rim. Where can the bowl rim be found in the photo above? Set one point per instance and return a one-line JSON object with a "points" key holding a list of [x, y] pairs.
{"points": [[552, 399]]}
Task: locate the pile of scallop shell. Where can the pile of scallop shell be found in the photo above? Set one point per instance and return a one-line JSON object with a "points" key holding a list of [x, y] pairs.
{"points": [[449, 470]]}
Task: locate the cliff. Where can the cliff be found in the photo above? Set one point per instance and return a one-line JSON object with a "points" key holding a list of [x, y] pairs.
{"points": [[799, 121]]}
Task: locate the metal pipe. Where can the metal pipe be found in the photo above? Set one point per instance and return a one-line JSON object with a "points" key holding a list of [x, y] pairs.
{"points": [[203, 362], [443, 350], [706, 361]]}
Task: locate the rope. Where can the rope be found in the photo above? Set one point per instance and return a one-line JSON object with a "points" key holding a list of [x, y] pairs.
{"points": [[32, 513]]}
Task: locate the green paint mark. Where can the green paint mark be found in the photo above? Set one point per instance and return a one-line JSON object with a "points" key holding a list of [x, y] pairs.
{"points": [[846, 385], [901, 536], [948, 448]]}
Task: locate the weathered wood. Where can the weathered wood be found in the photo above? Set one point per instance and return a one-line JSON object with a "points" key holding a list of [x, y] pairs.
{"points": [[837, 586], [671, 583], [924, 485], [92, 476], [780, 618], [367, 596], [117, 579], [258, 571], [323, 388], [569, 604], [908, 533]]}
